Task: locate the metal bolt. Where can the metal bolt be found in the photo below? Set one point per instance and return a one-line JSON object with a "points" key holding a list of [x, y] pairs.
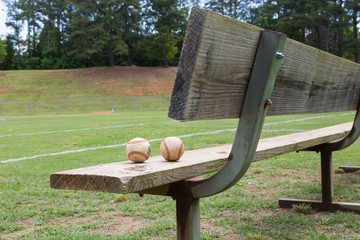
{"points": [[268, 102], [279, 55]]}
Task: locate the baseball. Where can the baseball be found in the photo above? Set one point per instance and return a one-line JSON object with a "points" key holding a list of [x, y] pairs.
{"points": [[172, 148], [138, 150]]}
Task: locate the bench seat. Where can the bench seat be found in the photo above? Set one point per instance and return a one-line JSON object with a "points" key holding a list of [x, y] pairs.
{"points": [[128, 177]]}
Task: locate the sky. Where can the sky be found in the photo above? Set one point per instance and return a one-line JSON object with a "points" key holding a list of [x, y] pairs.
{"points": [[3, 29]]}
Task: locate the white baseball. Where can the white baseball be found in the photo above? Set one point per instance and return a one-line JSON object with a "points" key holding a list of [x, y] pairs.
{"points": [[138, 150], [172, 148]]}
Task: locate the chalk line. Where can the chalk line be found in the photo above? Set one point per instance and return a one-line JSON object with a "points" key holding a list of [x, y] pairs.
{"points": [[141, 124], [309, 118], [124, 144], [71, 130], [160, 139]]}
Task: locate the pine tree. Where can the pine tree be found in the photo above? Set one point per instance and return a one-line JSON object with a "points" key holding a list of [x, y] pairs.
{"points": [[238, 9], [168, 18], [8, 62], [15, 21], [3, 52], [353, 9]]}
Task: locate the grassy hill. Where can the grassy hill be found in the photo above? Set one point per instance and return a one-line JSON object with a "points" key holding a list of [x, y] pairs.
{"points": [[91, 82]]}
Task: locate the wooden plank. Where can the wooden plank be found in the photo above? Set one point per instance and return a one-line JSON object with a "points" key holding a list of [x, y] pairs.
{"points": [[215, 65], [128, 177]]}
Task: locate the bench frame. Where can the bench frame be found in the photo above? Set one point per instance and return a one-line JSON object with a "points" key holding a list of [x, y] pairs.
{"points": [[327, 203], [257, 99], [256, 102]]}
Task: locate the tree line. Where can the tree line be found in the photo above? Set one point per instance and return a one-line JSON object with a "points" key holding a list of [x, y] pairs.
{"points": [[87, 33]]}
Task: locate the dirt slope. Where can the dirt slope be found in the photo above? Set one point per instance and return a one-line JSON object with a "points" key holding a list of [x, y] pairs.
{"points": [[90, 82]]}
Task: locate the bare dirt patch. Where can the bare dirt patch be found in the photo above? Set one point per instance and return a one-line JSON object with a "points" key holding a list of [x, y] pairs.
{"points": [[293, 176], [134, 81], [2, 76], [4, 89], [110, 223], [208, 225], [119, 224]]}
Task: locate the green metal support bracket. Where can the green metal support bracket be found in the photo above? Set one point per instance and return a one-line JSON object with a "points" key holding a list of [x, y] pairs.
{"points": [[255, 105]]}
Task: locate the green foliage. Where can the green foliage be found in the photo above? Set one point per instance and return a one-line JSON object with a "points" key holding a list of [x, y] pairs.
{"points": [[169, 19], [329, 25], [156, 46], [339, 171], [303, 208], [86, 33], [241, 10], [257, 237], [3, 52]]}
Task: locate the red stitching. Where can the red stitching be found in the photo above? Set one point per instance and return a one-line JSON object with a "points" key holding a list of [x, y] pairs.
{"points": [[167, 149], [146, 156], [180, 150]]}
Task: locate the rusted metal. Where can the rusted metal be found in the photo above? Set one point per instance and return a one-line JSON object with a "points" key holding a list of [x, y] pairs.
{"points": [[320, 205], [268, 102], [349, 169], [188, 218], [326, 177], [327, 203]]}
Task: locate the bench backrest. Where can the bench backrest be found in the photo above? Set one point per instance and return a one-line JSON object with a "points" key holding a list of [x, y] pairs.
{"points": [[215, 65]]}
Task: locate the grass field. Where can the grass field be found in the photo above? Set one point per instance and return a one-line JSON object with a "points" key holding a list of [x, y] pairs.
{"points": [[90, 82], [33, 147], [74, 91]]}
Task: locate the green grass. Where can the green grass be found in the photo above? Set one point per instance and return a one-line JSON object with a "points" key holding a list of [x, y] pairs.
{"points": [[90, 82], [39, 92], [30, 209]]}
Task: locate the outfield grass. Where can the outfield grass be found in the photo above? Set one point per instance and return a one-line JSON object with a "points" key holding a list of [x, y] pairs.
{"points": [[37, 146], [88, 82]]}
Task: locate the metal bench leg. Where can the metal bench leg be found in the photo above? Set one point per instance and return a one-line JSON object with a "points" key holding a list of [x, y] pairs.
{"points": [[349, 169], [188, 218], [327, 178], [326, 150], [327, 203]]}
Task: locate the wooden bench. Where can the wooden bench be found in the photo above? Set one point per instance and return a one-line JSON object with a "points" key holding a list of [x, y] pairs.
{"points": [[230, 69]]}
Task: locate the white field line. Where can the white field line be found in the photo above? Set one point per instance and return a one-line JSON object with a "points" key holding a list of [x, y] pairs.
{"points": [[309, 118], [71, 130], [124, 144], [141, 124], [160, 139]]}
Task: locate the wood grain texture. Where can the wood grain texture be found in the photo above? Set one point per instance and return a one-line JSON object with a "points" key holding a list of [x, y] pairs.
{"points": [[129, 177], [215, 66]]}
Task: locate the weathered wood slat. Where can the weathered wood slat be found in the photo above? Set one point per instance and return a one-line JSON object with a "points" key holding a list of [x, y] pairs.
{"points": [[128, 177], [215, 65]]}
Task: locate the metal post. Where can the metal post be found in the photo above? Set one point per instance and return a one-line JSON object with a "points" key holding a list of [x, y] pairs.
{"points": [[85, 104], [254, 107], [327, 203], [326, 177], [188, 218], [58, 107], [112, 104], [29, 106]]}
